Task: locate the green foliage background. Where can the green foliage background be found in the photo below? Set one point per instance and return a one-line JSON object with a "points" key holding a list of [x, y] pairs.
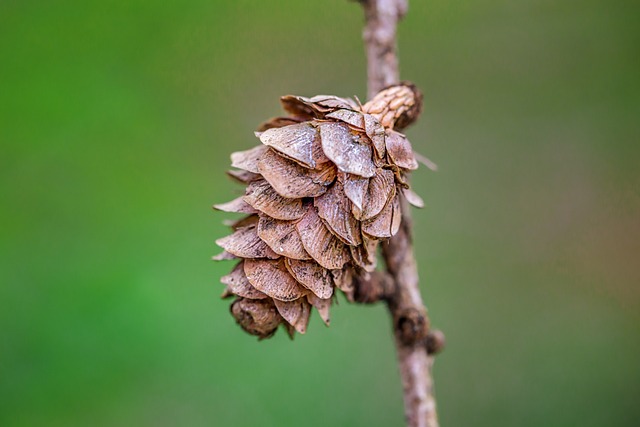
{"points": [[116, 122]]}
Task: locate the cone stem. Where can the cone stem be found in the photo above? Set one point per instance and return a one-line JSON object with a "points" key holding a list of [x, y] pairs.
{"points": [[410, 321]]}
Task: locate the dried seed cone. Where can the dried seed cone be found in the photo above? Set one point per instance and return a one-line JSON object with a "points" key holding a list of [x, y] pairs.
{"points": [[322, 191]]}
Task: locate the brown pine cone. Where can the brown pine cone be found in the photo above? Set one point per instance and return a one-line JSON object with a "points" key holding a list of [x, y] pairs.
{"points": [[323, 190]]}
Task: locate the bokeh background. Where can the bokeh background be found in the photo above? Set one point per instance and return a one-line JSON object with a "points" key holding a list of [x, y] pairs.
{"points": [[116, 123]]}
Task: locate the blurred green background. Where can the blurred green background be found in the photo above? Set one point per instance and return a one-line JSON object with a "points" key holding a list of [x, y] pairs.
{"points": [[116, 123]]}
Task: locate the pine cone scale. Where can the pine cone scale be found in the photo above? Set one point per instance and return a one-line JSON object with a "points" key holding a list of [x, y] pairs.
{"points": [[248, 160], [348, 154], [320, 243], [299, 142], [282, 237], [387, 223], [293, 181], [238, 284], [312, 276], [334, 208], [272, 278], [296, 313], [245, 243], [380, 190], [262, 197]]}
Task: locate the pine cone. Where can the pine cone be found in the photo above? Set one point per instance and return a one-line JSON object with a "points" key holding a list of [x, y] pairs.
{"points": [[323, 190]]}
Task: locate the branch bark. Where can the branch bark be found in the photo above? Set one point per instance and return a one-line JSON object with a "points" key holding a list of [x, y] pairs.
{"points": [[411, 328], [410, 321], [379, 35]]}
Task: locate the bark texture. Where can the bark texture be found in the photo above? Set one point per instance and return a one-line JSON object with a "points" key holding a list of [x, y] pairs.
{"points": [[382, 17], [411, 329], [410, 321]]}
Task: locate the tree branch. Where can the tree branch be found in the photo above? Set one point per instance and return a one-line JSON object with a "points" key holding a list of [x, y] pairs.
{"points": [[379, 35], [411, 329], [410, 321]]}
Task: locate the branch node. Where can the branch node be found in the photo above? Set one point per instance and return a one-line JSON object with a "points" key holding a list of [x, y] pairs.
{"points": [[435, 342], [411, 325], [373, 287]]}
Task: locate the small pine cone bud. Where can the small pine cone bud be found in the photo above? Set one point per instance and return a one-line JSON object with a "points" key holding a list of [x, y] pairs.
{"points": [[322, 191], [396, 107]]}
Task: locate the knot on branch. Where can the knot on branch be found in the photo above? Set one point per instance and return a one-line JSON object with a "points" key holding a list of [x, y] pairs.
{"points": [[435, 342], [412, 326], [373, 287]]}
